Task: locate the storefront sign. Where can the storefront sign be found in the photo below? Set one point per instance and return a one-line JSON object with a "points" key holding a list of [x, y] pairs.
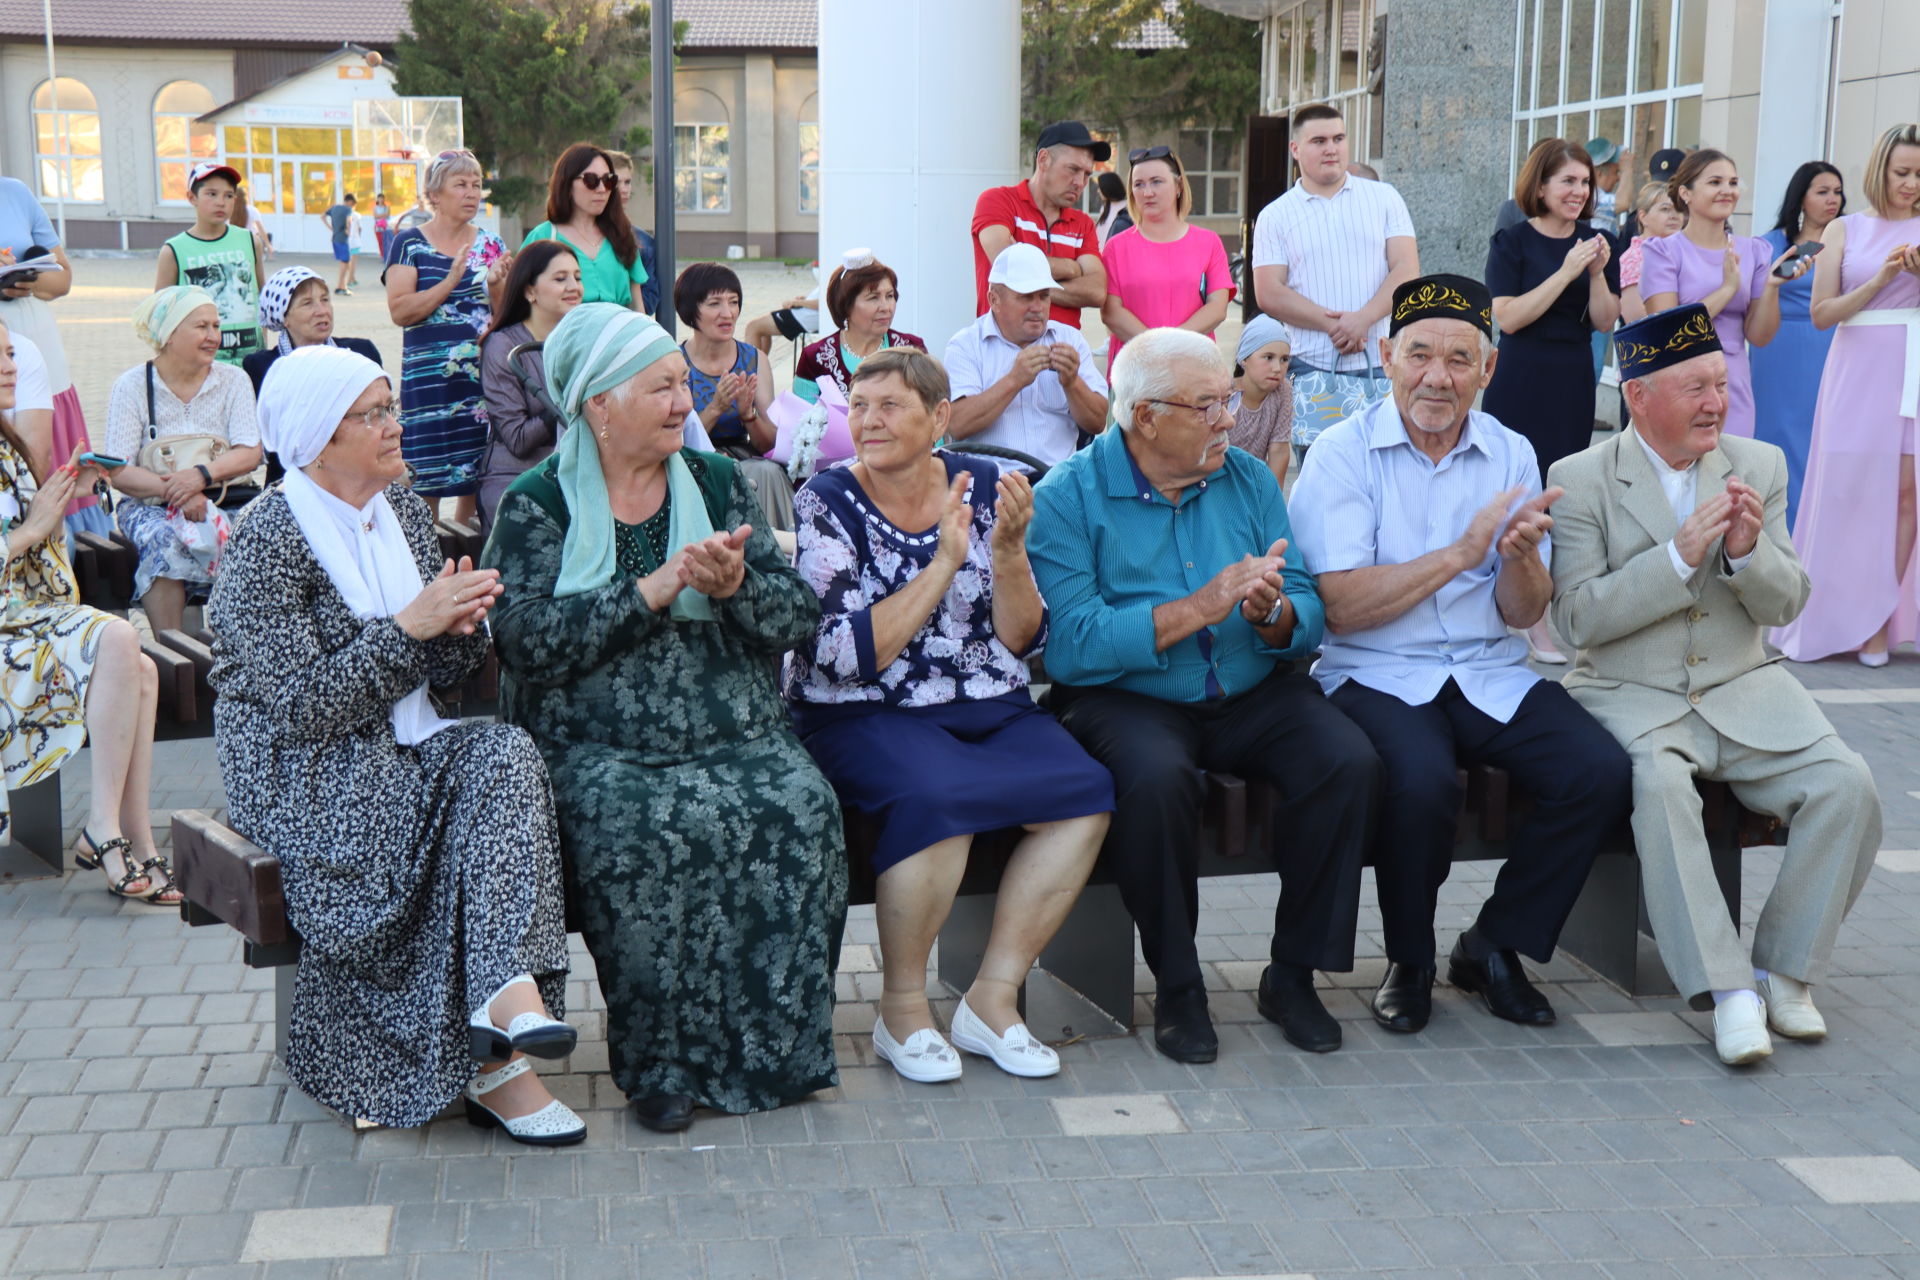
{"points": [[271, 113]]}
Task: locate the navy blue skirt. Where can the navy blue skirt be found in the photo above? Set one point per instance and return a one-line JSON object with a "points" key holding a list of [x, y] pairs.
{"points": [[926, 774]]}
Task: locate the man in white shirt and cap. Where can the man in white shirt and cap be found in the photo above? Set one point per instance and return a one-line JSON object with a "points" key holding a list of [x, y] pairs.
{"points": [[1022, 380]]}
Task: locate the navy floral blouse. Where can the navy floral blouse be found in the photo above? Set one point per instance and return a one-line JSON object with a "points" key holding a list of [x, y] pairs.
{"points": [[854, 557]]}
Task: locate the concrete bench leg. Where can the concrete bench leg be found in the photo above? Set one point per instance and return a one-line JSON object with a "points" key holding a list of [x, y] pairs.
{"points": [[1609, 931], [1085, 978], [39, 846]]}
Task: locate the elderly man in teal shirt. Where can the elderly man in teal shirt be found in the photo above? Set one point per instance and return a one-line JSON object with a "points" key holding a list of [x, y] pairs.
{"points": [[1177, 617]]}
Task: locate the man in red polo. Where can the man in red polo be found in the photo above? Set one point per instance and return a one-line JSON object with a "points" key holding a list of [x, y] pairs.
{"points": [[1043, 211]]}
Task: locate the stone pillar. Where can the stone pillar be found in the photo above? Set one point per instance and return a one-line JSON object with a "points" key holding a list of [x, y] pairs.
{"points": [[1449, 123], [919, 113], [763, 159]]}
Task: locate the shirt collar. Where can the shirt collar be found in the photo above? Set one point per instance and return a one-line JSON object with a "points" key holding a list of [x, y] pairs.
{"points": [[989, 330], [1125, 479], [1660, 464], [1386, 429]]}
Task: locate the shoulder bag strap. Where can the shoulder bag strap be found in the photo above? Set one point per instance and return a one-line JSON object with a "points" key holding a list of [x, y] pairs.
{"points": [[153, 416]]}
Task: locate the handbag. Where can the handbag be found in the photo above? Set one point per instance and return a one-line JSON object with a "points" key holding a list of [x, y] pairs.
{"points": [[166, 455], [1322, 397]]}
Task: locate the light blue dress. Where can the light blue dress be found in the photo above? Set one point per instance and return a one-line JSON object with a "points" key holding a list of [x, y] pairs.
{"points": [[1786, 376]]}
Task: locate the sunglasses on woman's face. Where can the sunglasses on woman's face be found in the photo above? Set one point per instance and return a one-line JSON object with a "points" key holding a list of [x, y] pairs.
{"points": [[595, 181], [1139, 154]]}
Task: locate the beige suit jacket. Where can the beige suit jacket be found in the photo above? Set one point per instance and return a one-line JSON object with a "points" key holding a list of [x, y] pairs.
{"points": [[1652, 645]]}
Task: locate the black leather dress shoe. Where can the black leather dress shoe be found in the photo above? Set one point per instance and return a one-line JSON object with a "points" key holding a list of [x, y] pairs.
{"points": [[1287, 999], [1501, 981], [1181, 1027], [1404, 1001], [668, 1113]]}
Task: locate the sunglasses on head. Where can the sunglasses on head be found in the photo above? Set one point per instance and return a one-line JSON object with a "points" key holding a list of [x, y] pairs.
{"points": [[1139, 154], [595, 181]]}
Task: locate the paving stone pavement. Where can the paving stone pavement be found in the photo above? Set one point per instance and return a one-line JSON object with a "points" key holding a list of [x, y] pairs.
{"points": [[145, 1130]]}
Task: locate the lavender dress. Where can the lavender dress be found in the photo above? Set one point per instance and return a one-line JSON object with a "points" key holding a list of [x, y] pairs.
{"points": [[1675, 264], [1848, 505]]}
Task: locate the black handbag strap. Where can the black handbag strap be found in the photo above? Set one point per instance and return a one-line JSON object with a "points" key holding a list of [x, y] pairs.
{"points": [[153, 415]]}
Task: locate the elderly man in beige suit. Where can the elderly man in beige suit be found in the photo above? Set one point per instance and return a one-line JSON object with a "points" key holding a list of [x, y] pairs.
{"points": [[1670, 560]]}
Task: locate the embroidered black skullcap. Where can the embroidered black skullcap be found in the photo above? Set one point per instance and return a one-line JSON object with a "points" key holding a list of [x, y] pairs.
{"points": [[1442, 297], [1664, 338]]}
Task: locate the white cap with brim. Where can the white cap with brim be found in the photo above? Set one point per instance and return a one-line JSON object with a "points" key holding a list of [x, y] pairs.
{"points": [[1021, 268]]}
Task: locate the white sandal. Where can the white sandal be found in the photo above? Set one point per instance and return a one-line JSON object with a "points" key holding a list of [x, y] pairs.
{"points": [[554, 1125], [926, 1057], [534, 1034], [1017, 1053]]}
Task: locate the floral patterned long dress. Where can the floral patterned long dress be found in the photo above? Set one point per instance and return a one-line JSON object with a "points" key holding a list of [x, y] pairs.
{"points": [[705, 863], [420, 877], [49, 642]]}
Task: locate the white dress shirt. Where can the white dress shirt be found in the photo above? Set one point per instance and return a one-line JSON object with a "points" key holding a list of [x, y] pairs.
{"points": [[1038, 420], [1335, 251], [1682, 487], [1368, 497]]}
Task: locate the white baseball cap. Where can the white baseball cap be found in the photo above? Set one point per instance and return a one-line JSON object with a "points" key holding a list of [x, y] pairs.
{"points": [[1022, 268]]}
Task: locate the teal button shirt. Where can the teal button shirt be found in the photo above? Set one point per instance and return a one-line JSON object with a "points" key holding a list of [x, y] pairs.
{"points": [[1106, 548]]}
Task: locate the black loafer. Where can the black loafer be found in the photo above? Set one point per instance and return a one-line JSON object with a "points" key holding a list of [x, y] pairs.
{"points": [[1404, 1001], [1287, 999], [1500, 980], [1181, 1027], [668, 1113]]}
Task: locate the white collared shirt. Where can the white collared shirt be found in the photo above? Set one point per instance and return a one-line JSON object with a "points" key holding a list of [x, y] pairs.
{"points": [[1335, 251], [1682, 487], [1038, 420], [1368, 497]]}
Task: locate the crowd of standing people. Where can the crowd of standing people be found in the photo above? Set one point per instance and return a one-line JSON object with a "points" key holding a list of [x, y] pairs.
{"points": [[716, 639]]}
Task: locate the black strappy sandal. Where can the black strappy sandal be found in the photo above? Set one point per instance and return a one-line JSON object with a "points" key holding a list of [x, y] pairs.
{"points": [[163, 883], [97, 859]]}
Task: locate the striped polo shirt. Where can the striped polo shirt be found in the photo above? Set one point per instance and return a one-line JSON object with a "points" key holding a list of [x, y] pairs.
{"points": [[1071, 235], [1335, 251]]}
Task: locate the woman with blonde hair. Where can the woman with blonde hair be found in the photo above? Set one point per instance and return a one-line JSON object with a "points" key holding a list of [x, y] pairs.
{"points": [[1859, 492], [1162, 272], [1657, 217]]}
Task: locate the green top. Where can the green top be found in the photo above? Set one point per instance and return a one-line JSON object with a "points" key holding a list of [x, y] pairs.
{"points": [[225, 269], [602, 277]]}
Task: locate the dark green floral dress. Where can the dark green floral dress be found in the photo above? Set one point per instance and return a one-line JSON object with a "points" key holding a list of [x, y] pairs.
{"points": [[705, 862]]}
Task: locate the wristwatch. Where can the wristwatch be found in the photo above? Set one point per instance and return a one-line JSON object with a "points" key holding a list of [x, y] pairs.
{"points": [[1279, 607]]}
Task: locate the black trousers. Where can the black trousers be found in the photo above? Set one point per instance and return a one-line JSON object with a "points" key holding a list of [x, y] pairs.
{"points": [[1282, 731], [1577, 774]]}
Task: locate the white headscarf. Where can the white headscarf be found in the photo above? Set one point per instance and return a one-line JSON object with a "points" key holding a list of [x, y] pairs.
{"points": [[365, 552]]}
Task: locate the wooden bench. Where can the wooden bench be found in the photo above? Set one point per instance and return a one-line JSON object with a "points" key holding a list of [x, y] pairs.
{"points": [[230, 880]]}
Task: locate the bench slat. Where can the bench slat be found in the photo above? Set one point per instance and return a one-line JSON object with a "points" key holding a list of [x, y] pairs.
{"points": [[228, 876], [178, 702]]}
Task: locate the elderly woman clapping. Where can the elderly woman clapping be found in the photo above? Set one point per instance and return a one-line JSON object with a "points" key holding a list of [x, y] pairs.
{"points": [[913, 698], [185, 398], [641, 630], [420, 858]]}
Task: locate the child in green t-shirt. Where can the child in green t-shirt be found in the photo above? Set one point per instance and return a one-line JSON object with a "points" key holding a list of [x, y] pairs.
{"points": [[219, 257]]}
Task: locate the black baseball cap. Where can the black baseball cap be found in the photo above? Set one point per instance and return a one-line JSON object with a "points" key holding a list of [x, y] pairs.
{"points": [[1661, 168], [1071, 133]]}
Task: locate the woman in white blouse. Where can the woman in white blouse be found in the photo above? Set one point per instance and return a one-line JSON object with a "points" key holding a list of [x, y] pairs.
{"points": [[182, 392]]}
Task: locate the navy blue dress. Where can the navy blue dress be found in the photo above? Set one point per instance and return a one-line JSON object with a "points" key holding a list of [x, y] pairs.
{"points": [[727, 429], [945, 740], [1543, 385]]}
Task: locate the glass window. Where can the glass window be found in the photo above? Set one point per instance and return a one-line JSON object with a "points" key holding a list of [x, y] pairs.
{"points": [[1616, 23], [236, 140], [1552, 48], [1649, 131], [1693, 42], [700, 168], [356, 179], [1211, 159], [1580, 17], [809, 166], [1313, 44], [309, 142], [400, 182], [1686, 122], [1654, 45], [289, 194], [261, 194], [1353, 47], [66, 133], [316, 187], [262, 140], [1527, 33], [179, 137]]}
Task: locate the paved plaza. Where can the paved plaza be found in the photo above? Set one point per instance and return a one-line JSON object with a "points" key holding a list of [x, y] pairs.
{"points": [[145, 1129]]}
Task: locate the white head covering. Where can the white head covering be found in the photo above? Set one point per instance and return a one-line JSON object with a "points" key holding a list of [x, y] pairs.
{"points": [[364, 552], [276, 295]]}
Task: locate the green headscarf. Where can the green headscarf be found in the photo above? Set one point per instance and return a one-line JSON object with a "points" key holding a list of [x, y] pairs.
{"points": [[595, 348]]}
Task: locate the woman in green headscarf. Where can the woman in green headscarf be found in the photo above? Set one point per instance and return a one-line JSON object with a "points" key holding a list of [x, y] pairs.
{"points": [[640, 635]]}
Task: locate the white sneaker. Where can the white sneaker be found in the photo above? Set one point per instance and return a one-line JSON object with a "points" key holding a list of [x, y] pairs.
{"points": [[1790, 1008], [1740, 1031], [926, 1057], [1017, 1053]]}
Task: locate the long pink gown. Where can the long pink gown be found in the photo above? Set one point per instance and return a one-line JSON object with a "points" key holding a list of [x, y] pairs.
{"points": [[1844, 531], [1675, 264]]}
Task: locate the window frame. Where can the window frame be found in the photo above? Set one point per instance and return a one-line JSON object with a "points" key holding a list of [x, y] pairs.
{"points": [[725, 172], [1201, 180], [187, 159], [63, 159], [1356, 105]]}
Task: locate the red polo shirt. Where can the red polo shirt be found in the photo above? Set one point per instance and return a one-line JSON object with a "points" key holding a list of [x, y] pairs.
{"points": [[1071, 235]]}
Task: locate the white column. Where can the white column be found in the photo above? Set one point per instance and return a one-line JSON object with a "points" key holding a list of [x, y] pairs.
{"points": [[1795, 55], [919, 113]]}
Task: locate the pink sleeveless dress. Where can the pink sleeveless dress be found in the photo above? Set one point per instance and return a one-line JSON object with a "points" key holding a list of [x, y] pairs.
{"points": [[1849, 502]]}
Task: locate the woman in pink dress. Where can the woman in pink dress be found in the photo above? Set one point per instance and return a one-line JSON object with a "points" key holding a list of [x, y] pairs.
{"points": [[1730, 275], [1162, 272], [1858, 498]]}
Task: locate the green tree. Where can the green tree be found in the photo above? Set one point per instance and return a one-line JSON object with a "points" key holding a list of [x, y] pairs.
{"points": [[1079, 62], [533, 77]]}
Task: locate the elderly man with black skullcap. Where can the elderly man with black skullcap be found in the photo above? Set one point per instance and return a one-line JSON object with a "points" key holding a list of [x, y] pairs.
{"points": [[1670, 560], [1427, 529]]}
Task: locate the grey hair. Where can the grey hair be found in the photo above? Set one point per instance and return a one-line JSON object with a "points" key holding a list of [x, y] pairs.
{"points": [[1148, 368], [447, 167]]}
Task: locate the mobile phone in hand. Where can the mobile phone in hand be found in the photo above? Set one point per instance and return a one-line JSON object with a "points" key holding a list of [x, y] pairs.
{"points": [[1801, 252], [105, 461]]}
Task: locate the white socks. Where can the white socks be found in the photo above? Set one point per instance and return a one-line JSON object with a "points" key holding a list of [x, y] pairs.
{"points": [[1721, 997]]}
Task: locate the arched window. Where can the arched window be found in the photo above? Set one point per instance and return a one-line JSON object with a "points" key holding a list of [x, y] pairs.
{"points": [[66, 141], [702, 171], [179, 137]]}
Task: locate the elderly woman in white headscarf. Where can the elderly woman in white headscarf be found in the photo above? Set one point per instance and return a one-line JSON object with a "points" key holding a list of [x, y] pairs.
{"points": [[640, 633], [419, 855], [201, 412]]}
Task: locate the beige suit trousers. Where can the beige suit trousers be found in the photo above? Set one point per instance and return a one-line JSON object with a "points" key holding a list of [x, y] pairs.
{"points": [[1824, 792]]}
